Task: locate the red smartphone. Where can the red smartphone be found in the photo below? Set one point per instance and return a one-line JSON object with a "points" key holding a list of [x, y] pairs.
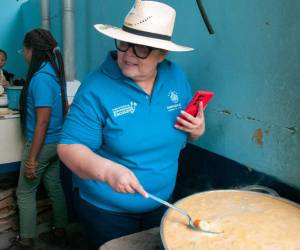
{"points": [[193, 106]]}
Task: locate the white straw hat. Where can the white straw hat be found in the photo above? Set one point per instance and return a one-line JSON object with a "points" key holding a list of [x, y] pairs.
{"points": [[148, 23]]}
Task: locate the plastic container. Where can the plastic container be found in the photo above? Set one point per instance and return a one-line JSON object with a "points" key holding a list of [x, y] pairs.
{"points": [[13, 96], [3, 100], [1, 90]]}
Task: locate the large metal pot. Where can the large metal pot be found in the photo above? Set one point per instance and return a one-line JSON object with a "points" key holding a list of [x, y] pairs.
{"points": [[248, 220]]}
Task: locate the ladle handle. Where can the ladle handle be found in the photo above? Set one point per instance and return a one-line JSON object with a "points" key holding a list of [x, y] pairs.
{"points": [[180, 210], [153, 197]]}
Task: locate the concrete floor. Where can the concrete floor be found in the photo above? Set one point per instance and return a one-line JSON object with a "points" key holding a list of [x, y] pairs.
{"points": [[74, 232]]}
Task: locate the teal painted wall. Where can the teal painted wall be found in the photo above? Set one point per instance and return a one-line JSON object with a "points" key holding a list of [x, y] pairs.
{"points": [[31, 15], [252, 63], [11, 35]]}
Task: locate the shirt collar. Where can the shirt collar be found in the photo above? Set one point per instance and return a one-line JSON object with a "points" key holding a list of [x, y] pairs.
{"points": [[46, 68], [110, 66], [111, 69]]}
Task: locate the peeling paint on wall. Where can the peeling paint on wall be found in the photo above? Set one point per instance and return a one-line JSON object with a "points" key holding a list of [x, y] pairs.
{"points": [[225, 112], [258, 136], [292, 130], [238, 116]]}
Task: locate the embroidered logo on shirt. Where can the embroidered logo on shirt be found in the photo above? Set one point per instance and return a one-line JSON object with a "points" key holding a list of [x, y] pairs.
{"points": [[125, 109], [174, 99], [173, 96]]}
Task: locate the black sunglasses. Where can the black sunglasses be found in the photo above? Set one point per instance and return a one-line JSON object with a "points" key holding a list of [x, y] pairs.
{"points": [[141, 51]]}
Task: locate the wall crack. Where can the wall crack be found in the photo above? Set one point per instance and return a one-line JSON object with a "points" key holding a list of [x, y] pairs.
{"points": [[292, 130]]}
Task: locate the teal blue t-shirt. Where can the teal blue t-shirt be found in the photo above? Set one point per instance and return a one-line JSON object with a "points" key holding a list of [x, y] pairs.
{"points": [[44, 91], [116, 119]]}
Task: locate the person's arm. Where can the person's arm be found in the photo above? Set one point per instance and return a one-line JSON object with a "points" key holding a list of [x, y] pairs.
{"points": [[9, 76], [3, 80], [42, 122], [82, 136], [194, 126], [88, 165], [5, 83]]}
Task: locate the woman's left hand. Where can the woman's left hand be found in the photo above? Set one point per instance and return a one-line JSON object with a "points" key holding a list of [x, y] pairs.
{"points": [[30, 169], [195, 126], [5, 83]]}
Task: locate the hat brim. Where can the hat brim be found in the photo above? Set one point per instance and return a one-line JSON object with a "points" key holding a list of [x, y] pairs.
{"points": [[119, 34]]}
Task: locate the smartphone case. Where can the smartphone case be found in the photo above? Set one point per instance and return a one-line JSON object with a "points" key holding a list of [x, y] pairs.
{"points": [[193, 106]]}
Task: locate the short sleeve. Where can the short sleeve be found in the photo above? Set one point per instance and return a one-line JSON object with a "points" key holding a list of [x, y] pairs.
{"points": [[84, 122], [43, 90]]}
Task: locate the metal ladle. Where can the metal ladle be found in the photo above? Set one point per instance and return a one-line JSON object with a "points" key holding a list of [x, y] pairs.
{"points": [[182, 211]]}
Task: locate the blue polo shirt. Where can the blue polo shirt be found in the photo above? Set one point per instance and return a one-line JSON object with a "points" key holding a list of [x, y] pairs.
{"points": [[116, 119], [44, 91]]}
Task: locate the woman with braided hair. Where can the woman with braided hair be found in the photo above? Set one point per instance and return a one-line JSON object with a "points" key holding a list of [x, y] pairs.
{"points": [[42, 107]]}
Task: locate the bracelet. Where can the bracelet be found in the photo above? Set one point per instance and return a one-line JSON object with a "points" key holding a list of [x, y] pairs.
{"points": [[30, 164]]}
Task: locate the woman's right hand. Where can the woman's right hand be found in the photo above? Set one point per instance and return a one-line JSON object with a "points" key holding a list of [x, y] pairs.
{"points": [[88, 165], [122, 180]]}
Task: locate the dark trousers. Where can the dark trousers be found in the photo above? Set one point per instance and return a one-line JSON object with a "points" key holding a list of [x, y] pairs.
{"points": [[102, 225]]}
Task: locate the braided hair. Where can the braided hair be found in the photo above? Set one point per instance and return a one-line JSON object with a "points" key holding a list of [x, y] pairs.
{"points": [[44, 49]]}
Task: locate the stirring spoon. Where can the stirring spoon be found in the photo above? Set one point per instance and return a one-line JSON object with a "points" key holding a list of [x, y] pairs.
{"points": [[182, 211]]}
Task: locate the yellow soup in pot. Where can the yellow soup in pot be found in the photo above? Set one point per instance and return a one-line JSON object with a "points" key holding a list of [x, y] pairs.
{"points": [[247, 220]]}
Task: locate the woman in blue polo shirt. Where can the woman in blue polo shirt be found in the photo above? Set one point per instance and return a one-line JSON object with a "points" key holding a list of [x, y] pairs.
{"points": [[42, 106], [120, 137]]}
